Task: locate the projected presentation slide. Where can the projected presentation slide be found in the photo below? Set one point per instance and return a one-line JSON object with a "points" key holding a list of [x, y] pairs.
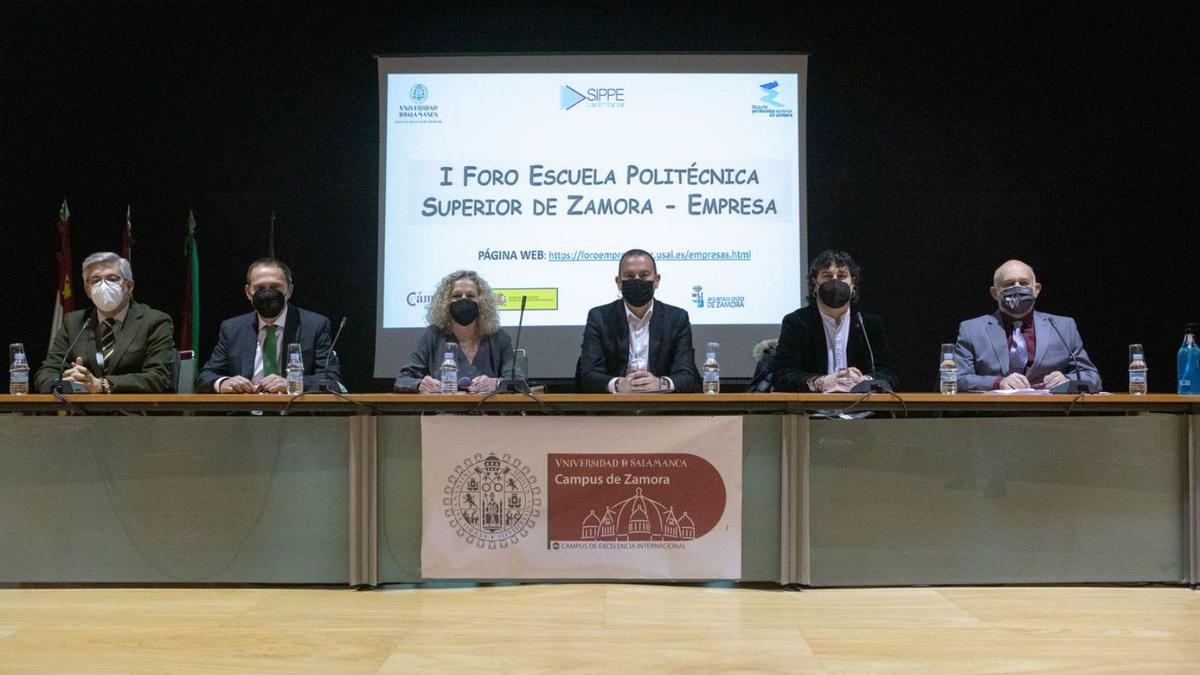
{"points": [[539, 181]]}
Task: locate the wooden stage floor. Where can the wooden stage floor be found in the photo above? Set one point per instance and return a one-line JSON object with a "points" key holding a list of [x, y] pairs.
{"points": [[598, 627]]}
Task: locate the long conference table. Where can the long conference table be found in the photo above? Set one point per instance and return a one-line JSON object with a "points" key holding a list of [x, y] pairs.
{"points": [[326, 489]]}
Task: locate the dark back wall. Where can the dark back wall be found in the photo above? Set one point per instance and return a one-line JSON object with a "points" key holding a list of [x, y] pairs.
{"points": [[940, 142]]}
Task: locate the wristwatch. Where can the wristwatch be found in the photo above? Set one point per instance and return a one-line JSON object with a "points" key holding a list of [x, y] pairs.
{"points": [[105, 386]]}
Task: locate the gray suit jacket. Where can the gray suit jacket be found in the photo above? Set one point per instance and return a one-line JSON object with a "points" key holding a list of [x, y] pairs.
{"points": [[982, 351]]}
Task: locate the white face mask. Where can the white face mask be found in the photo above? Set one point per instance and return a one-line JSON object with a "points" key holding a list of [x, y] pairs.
{"points": [[107, 296]]}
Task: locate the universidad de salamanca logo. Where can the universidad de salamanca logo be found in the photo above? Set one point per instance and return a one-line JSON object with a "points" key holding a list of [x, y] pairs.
{"points": [[492, 501], [418, 110]]}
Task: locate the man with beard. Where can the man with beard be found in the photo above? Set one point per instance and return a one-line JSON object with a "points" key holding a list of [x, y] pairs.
{"points": [[830, 345]]}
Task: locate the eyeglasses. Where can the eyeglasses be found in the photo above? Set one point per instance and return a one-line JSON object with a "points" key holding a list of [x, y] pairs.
{"points": [[112, 279]]}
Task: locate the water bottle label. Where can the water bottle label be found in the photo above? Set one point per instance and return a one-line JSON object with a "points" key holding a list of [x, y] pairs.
{"points": [[19, 377], [1137, 378], [1138, 357]]}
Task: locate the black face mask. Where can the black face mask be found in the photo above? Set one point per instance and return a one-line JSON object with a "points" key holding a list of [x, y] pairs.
{"points": [[464, 311], [637, 292], [268, 302], [835, 293], [1017, 301]]}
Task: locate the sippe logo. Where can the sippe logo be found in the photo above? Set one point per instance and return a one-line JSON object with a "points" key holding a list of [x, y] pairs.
{"points": [[772, 93], [596, 97], [698, 295], [569, 98]]}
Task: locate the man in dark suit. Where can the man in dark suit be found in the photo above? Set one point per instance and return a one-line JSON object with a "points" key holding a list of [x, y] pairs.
{"points": [[251, 352], [830, 346], [125, 347], [637, 344]]}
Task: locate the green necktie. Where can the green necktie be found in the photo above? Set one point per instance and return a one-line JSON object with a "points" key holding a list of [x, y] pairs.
{"points": [[270, 353]]}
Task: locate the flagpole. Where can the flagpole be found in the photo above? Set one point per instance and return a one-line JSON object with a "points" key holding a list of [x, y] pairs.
{"points": [[64, 295], [127, 235], [194, 256], [271, 241]]}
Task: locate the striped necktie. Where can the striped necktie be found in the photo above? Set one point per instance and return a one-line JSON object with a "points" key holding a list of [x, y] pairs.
{"points": [[108, 338]]}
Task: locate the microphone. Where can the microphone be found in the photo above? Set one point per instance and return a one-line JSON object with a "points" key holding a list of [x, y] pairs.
{"points": [[871, 352], [523, 385], [59, 385], [1077, 385], [869, 385], [326, 385]]}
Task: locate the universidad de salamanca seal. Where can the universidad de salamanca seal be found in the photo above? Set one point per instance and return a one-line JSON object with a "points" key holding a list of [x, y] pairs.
{"points": [[492, 501]]}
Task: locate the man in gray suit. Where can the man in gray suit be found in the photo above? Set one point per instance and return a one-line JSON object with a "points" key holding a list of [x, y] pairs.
{"points": [[1018, 348]]}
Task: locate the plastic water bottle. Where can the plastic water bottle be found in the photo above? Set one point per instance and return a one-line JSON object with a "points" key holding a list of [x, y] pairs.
{"points": [[948, 371], [18, 369], [449, 369], [1137, 370], [1188, 362], [295, 370], [712, 369]]}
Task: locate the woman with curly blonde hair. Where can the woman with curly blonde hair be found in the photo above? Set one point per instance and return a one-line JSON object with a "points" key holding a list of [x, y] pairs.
{"points": [[463, 311]]}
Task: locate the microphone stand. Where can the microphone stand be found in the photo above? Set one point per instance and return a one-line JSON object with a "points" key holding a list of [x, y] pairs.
{"points": [[519, 385], [60, 386], [1074, 385]]}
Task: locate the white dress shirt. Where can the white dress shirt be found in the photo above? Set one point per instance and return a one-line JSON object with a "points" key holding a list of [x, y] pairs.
{"points": [[837, 334], [280, 349], [118, 319], [639, 343]]}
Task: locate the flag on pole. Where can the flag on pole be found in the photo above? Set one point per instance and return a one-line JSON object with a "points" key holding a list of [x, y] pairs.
{"points": [[127, 236], [271, 240], [64, 295], [189, 324]]}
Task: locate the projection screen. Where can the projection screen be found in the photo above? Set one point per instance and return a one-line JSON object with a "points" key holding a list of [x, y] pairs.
{"points": [[539, 171]]}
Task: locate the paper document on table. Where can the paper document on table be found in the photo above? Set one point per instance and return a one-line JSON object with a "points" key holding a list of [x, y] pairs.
{"points": [[1011, 392]]}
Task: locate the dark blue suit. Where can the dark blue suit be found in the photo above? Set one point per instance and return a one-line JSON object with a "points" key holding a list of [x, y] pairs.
{"points": [[238, 343]]}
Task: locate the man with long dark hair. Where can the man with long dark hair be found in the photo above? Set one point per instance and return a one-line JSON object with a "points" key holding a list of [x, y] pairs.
{"points": [[831, 345]]}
